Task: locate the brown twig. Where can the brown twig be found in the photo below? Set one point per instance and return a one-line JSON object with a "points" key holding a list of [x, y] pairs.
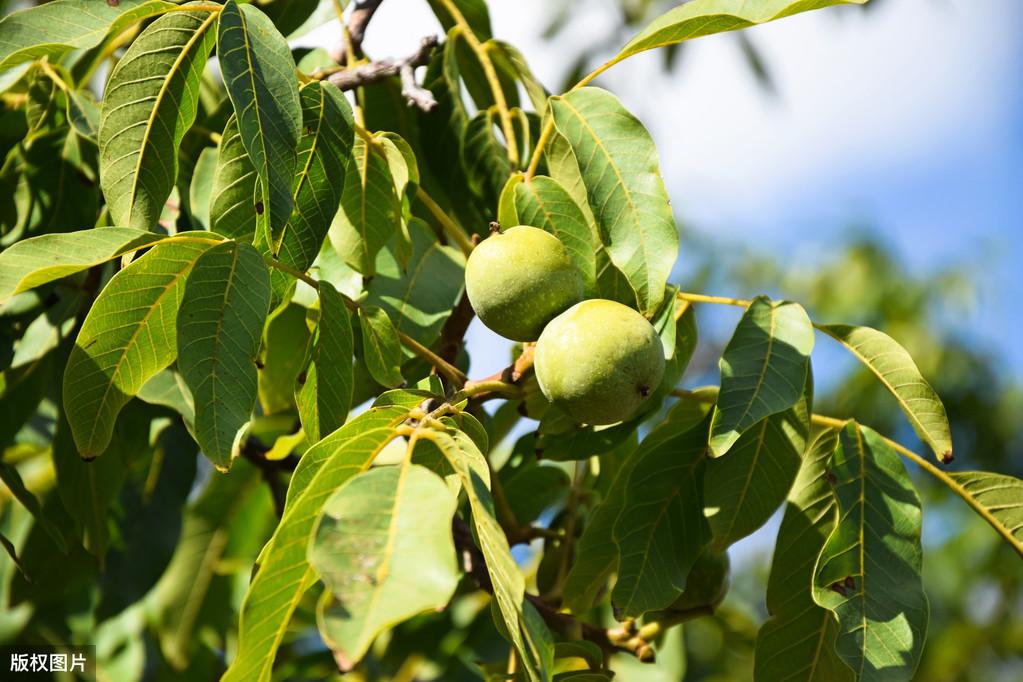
{"points": [[359, 19], [364, 74]]}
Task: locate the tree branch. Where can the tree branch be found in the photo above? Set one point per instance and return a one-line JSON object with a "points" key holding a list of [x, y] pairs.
{"points": [[364, 74], [359, 19]]}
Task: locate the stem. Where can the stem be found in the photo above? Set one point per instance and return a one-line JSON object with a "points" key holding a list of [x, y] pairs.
{"points": [[297, 274], [495, 84], [451, 229], [474, 389], [719, 300], [450, 372]]}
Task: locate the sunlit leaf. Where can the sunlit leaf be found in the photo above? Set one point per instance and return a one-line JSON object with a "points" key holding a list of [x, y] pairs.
{"points": [[798, 640], [259, 73], [619, 167], [284, 573], [149, 102], [370, 210], [508, 581], [895, 369], [1001, 498], [128, 336], [220, 322], [868, 572], [55, 27], [33, 262], [706, 17], [763, 368], [382, 545]]}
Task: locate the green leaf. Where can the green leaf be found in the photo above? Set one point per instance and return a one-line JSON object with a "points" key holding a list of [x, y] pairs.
{"points": [[597, 552], [150, 101], [868, 572], [259, 73], [33, 262], [168, 389], [508, 58], [200, 188], [542, 202], [894, 367], [326, 395], [16, 487], [234, 195], [763, 368], [220, 322], [57, 191], [128, 336], [419, 297], [84, 114], [284, 573], [382, 545], [797, 642], [743, 490], [508, 581], [323, 153], [370, 210], [381, 347], [474, 12], [194, 578], [661, 529], [282, 358], [1001, 498], [534, 489], [619, 168], [707, 17], [55, 27]]}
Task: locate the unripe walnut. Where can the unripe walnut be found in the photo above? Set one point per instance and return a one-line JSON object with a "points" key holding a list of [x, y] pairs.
{"points": [[519, 279], [599, 361]]}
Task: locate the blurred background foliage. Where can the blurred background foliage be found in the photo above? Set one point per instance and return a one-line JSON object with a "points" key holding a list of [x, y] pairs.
{"points": [[973, 580]]}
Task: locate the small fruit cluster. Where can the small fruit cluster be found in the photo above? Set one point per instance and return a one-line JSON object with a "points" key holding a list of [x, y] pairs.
{"points": [[596, 359]]}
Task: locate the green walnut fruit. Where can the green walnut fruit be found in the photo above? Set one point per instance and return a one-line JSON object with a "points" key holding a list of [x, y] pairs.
{"points": [[599, 361], [518, 280], [707, 583]]}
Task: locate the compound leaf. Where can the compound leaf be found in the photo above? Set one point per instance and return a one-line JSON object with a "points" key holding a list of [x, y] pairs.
{"points": [[128, 336], [284, 573]]}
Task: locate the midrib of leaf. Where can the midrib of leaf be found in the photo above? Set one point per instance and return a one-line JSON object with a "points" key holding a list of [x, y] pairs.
{"points": [[637, 227], [131, 342], [264, 181], [749, 475], [763, 369], [185, 52], [303, 176], [363, 209]]}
